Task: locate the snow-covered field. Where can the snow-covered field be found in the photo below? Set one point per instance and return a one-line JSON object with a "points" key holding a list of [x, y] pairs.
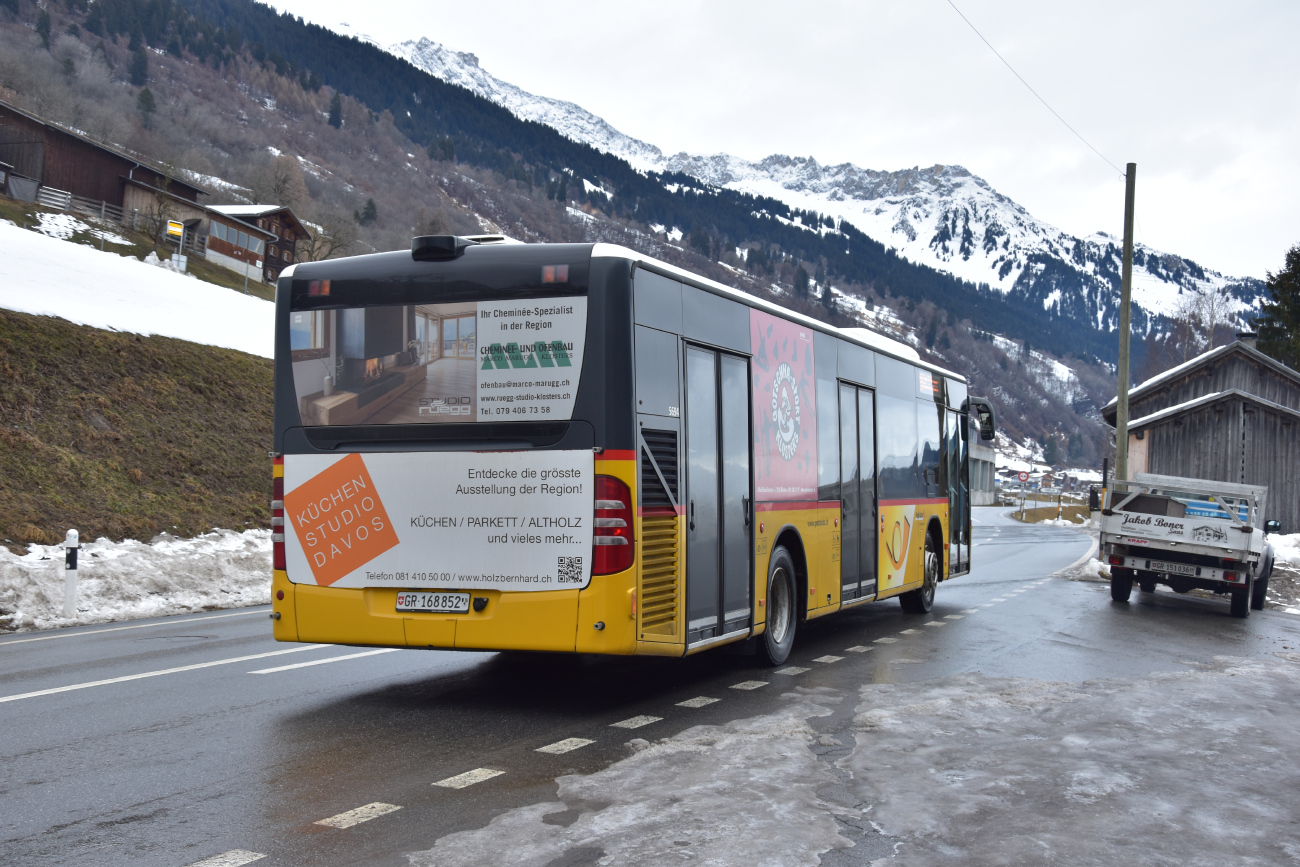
{"points": [[1182, 768], [129, 580], [43, 275]]}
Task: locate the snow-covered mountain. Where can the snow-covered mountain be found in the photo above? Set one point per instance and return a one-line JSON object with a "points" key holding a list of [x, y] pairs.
{"points": [[942, 216]]}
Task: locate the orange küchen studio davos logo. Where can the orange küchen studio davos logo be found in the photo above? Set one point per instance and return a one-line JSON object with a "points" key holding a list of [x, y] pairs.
{"points": [[340, 520]]}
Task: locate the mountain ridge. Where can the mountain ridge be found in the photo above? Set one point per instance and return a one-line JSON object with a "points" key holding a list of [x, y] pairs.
{"points": [[943, 216]]}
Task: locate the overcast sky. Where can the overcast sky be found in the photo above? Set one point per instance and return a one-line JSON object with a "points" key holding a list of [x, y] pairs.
{"points": [[1203, 96]]}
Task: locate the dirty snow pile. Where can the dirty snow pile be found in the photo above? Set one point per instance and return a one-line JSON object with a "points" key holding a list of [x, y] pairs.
{"points": [[1172, 768], [130, 580], [49, 277], [1286, 550]]}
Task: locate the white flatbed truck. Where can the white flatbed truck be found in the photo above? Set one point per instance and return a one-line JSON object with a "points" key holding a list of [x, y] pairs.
{"points": [[1187, 534]]}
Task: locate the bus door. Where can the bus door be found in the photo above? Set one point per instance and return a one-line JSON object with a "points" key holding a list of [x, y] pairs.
{"points": [[858, 492], [956, 454], [718, 495]]}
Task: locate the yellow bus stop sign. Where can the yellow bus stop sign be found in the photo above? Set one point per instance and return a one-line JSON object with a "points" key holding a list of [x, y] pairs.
{"points": [[175, 228]]}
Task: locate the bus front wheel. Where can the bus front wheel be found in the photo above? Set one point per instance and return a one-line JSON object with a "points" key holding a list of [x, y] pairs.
{"points": [[782, 609]]}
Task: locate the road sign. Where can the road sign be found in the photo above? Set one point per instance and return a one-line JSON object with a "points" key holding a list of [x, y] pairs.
{"points": [[175, 228], [1023, 476]]}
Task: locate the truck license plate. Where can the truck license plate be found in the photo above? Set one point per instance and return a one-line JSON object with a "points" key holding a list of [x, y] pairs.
{"points": [[436, 603], [1173, 568]]}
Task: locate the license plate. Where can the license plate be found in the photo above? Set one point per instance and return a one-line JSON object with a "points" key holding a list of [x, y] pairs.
{"points": [[437, 603], [1173, 568]]}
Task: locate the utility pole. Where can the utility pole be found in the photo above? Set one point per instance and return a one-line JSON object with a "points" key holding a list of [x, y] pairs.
{"points": [[1125, 296]]}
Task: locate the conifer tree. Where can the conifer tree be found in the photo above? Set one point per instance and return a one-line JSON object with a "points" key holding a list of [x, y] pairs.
{"points": [[801, 282], [336, 111], [43, 28], [146, 105], [367, 215], [1279, 321], [138, 72]]}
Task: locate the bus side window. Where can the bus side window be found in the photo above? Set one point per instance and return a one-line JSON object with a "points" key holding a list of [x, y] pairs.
{"points": [[828, 423]]}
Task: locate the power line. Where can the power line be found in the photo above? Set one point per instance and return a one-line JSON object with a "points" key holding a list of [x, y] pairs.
{"points": [[1031, 90]]}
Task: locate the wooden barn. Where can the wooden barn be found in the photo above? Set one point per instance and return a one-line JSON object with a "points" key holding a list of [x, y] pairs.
{"points": [[42, 154], [1231, 414]]}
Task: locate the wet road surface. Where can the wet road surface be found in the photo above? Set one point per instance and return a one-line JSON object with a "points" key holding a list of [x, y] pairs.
{"points": [[198, 739]]}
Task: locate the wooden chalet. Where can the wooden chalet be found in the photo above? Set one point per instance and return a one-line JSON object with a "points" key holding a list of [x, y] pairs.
{"points": [[1232, 415], [284, 229], [40, 154]]}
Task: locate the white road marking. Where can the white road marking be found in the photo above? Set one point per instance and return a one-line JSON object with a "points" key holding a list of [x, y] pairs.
{"points": [[828, 659], [261, 610], [233, 858], [1000, 599], [698, 701], [909, 632], [906, 661], [325, 661], [749, 684], [884, 641], [858, 648], [953, 616], [359, 815], [468, 778], [936, 623], [970, 611], [567, 745], [636, 722], [158, 673], [791, 669], [987, 605]]}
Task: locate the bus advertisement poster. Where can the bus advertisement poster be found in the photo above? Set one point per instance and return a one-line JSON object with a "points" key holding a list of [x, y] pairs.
{"points": [[443, 363], [785, 409], [518, 521]]}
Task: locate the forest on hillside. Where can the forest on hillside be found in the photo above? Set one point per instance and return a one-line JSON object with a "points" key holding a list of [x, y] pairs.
{"points": [[261, 106]]}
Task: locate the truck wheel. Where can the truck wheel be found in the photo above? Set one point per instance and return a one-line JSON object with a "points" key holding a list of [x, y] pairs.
{"points": [[782, 610], [922, 600], [1146, 582], [1121, 584], [1241, 603], [1258, 594]]}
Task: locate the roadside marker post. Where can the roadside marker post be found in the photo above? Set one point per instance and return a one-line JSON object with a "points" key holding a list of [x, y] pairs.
{"points": [[70, 575]]}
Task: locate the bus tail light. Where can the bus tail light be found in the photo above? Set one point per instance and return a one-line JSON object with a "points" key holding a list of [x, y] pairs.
{"points": [[277, 516], [612, 547]]}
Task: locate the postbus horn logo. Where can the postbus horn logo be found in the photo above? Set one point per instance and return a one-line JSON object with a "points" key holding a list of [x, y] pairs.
{"points": [[785, 410]]}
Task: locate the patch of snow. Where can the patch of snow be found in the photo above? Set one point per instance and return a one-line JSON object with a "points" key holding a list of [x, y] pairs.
{"points": [[64, 226], [48, 277], [674, 235], [130, 580]]}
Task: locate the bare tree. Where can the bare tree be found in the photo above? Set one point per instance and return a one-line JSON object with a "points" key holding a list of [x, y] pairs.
{"points": [[160, 212], [332, 236], [280, 183]]}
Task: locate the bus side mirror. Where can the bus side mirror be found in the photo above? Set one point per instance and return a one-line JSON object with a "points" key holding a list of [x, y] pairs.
{"points": [[984, 417], [1272, 526]]}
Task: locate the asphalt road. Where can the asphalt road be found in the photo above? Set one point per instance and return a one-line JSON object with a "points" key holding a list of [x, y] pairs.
{"points": [[185, 748]]}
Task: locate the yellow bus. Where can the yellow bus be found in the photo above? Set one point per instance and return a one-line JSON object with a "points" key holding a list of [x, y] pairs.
{"points": [[488, 445]]}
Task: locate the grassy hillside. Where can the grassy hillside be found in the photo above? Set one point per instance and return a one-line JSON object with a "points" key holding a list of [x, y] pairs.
{"points": [[122, 436]]}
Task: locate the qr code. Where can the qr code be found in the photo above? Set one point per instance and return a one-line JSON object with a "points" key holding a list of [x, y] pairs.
{"points": [[569, 569]]}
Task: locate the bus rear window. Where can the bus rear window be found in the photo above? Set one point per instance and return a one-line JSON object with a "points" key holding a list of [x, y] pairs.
{"points": [[453, 362]]}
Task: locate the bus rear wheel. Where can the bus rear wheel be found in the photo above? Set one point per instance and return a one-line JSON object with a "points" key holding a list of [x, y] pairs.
{"points": [[782, 609], [920, 601]]}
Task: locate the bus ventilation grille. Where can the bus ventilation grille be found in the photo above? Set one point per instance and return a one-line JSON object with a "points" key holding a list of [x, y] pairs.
{"points": [[662, 446], [660, 549]]}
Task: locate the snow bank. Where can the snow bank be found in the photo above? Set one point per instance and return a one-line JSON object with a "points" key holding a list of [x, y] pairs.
{"points": [[1286, 549], [1174, 768], [130, 580], [49, 277], [740, 793]]}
